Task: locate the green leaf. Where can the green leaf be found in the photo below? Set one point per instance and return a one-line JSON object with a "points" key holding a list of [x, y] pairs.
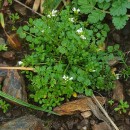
{"points": [[110, 48], [96, 16], [88, 92], [119, 7], [62, 50], [120, 21], [29, 38], [86, 6], [104, 5], [26, 28], [22, 35]]}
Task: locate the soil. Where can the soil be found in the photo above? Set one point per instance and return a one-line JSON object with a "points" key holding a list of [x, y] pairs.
{"points": [[76, 121]]}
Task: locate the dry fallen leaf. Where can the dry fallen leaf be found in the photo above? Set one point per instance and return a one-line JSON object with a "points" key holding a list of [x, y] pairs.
{"points": [[118, 91], [13, 41], [36, 5], [41, 6], [73, 107]]}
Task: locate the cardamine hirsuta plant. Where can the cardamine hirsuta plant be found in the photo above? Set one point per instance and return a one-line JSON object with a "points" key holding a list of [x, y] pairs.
{"points": [[68, 56]]}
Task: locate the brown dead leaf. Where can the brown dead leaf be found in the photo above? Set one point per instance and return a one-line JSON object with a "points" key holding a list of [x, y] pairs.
{"points": [[13, 41], [28, 2], [79, 105], [118, 91], [41, 6], [36, 5]]}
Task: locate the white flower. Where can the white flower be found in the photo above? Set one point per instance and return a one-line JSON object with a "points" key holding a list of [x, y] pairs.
{"points": [[67, 78], [82, 37], [53, 13], [93, 70], [76, 10], [42, 31], [49, 16], [71, 20], [20, 62], [117, 76], [79, 31], [71, 78]]}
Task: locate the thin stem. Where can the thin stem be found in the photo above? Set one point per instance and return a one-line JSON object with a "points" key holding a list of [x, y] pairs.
{"points": [[105, 113], [17, 68]]}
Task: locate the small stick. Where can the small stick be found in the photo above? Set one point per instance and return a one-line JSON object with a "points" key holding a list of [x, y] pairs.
{"points": [[28, 7], [16, 68], [105, 113]]}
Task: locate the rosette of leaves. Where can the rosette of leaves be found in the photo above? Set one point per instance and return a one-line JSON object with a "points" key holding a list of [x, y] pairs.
{"points": [[97, 10], [65, 62]]}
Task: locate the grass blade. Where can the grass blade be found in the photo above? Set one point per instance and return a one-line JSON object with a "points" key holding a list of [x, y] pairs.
{"points": [[20, 102]]}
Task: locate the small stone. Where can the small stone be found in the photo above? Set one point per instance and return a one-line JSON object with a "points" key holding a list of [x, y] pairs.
{"points": [[101, 126], [92, 122], [83, 124], [86, 114], [28, 122], [14, 85]]}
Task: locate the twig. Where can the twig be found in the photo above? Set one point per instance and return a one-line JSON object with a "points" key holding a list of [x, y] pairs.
{"points": [[104, 112], [28, 7], [16, 68]]}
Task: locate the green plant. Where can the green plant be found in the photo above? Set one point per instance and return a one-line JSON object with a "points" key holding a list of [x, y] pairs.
{"points": [[68, 57], [111, 102], [122, 106], [14, 17], [98, 9], [3, 47], [4, 106]]}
